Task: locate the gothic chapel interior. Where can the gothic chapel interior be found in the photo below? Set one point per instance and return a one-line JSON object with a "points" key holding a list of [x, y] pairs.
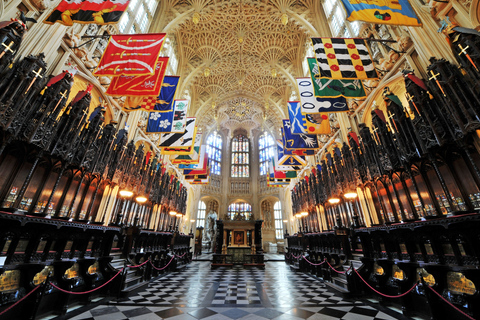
{"points": [[239, 159]]}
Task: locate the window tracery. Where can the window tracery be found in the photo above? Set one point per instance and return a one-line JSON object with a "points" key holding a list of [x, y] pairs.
{"points": [[266, 151], [214, 152], [239, 211], [240, 157]]}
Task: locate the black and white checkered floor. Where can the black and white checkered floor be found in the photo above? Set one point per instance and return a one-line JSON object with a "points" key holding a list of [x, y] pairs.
{"points": [[201, 293]]}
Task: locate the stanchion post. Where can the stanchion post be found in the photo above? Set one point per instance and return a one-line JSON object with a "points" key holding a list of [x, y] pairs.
{"points": [[40, 296], [428, 295]]}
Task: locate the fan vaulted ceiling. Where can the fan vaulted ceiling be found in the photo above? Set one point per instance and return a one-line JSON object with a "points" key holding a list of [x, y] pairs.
{"points": [[238, 59]]}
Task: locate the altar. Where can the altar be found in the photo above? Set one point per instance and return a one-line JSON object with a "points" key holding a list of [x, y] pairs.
{"points": [[240, 242]]}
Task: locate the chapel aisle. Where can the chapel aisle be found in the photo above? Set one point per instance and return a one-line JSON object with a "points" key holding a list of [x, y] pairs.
{"points": [[201, 293]]}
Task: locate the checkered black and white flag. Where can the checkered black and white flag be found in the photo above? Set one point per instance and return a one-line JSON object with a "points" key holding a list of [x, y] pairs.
{"points": [[344, 58]]}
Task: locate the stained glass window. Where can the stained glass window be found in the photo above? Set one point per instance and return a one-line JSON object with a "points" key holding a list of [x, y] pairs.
{"points": [[239, 211], [266, 151], [277, 213], [240, 157], [214, 151], [202, 208]]}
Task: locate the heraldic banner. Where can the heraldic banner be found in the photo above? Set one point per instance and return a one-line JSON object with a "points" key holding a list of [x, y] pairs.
{"points": [[131, 55], [395, 12], [343, 58], [133, 86], [86, 12]]}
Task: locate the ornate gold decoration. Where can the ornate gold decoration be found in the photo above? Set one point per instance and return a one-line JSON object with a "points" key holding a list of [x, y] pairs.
{"points": [[196, 18], [72, 272], [284, 19], [10, 280], [42, 275], [427, 277], [206, 72], [458, 283], [398, 273], [378, 269], [94, 268]]}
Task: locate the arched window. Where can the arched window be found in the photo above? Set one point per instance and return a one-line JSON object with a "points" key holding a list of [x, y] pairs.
{"points": [[214, 151], [239, 211], [266, 151], [240, 159], [277, 213], [138, 16], [202, 208], [339, 26]]}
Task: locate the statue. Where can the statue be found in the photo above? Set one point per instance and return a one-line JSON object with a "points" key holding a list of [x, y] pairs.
{"points": [[210, 229]]}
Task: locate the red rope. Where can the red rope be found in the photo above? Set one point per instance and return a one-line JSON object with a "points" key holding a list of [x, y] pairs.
{"points": [[162, 267], [103, 285], [314, 264], [138, 265], [181, 255], [448, 302], [341, 272], [13, 305], [296, 257], [385, 295]]}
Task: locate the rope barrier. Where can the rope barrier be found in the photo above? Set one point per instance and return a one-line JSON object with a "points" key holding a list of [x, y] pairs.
{"points": [[138, 265], [162, 267], [448, 302], [90, 291], [181, 255], [13, 305], [297, 257], [382, 294], [341, 272], [314, 264]]}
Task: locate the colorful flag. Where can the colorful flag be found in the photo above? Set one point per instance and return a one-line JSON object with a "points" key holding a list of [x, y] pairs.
{"points": [[184, 140], [280, 174], [194, 166], [165, 100], [395, 12], [171, 121], [201, 170], [131, 55], [87, 12], [136, 86], [344, 58], [309, 123], [183, 150], [298, 141], [185, 161], [286, 160], [332, 88], [312, 104], [200, 181]]}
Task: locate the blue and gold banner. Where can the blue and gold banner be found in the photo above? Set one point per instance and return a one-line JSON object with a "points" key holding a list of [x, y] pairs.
{"points": [[307, 123], [395, 12], [298, 141], [164, 101]]}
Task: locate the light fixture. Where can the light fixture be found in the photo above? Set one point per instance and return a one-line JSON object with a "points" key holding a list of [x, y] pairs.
{"points": [[141, 199], [126, 193], [304, 213], [334, 200], [298, 215], [285, 221], [179, 215], [350, 195], [172, 213], [192, 221]]}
